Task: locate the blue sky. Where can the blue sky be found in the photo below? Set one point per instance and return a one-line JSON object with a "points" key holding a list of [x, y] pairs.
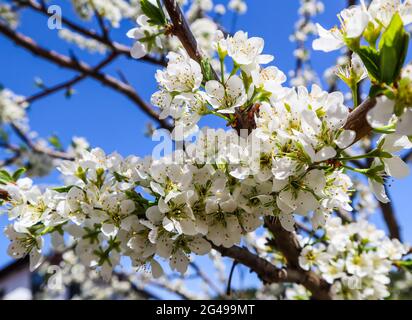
{"points": [[110, 121]]}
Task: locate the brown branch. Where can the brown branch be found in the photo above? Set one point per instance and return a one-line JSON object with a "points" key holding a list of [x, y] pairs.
{"points": [[357, 119], [67, 84], [268, 273], [287, 243], [38, 148], [90, 33], [389, 216], [181, 29], [79, 66]]}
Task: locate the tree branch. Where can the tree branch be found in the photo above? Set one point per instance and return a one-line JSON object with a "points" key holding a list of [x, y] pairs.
{"points": [[389, 216], [38, 148], [73, 64], [268, 273], [287, 243], [357, 119], [67, 84], [181, 29], [115, 46]]}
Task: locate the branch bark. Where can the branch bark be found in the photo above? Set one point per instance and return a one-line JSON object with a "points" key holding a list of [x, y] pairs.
{"points": [[67, 84], [79, 66], [389, 216], [38, 148], [287, 243], [90, 33], [181, 30], [357, 119]]}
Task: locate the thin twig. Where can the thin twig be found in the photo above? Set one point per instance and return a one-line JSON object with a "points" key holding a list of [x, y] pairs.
{"points": [[80, 66], [389, 216], [38, 148], [205, 278], [229, 282], [67, 84], [115, 46]]}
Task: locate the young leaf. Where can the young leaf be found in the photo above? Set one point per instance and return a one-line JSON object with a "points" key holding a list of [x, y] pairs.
{"points": [[393, 47], [5, 177], [370, 58], [17, 174], [371, 34], [55, 142], [155, 14], [63, 189]]}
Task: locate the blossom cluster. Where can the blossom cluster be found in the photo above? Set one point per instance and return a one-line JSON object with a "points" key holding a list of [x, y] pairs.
{"points": [[69, 279], [386, 112], [355, 260], [370, 22], [152, 38], [194, 201], [355, 20], [8, 15], [304, 28], [221, 186], [12, 106], [291, 158], [112, 10]]}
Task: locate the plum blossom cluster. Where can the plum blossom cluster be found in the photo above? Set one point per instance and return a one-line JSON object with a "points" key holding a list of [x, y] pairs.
{"points": [[223, 185], [151, 37], [8, 15], [287, 156], [304, 28], [69, 279], [355, 20], [12, 106], [381, 20], [395, 113], [356, 260], [193, 204], [112, 10]]}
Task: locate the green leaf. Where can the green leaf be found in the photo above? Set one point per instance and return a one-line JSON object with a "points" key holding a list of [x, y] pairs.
{"points": [[5, 177], [55, 142], [377, 90], [17, 174], [63, 189], [371, 34], [393, 47], [155, 14], [370, 58], [69, 93], [405, 264]]}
